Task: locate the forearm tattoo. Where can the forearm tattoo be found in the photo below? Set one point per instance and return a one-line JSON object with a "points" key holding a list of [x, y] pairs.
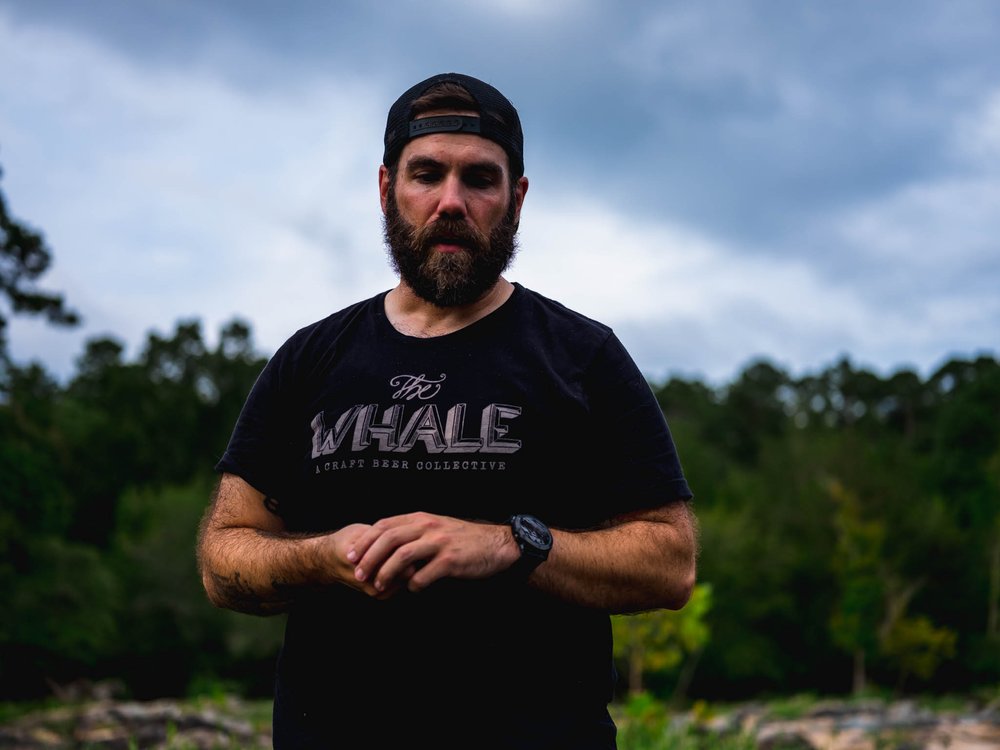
{"points": [[237, 591], [241, 596]]}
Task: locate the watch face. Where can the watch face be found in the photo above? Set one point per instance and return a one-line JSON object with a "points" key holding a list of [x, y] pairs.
{"points": [[534, 532]]}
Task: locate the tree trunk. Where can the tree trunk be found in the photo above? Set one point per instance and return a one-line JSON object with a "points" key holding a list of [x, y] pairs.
{"points": [[686, 675], [635, 672], [993, 615], [859, 672]]}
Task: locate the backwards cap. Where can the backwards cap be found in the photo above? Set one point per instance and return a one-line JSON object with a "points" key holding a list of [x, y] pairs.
{"points": [[497, 121]]}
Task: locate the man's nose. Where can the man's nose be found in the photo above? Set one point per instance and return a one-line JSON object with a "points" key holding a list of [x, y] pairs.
{"points": [[451, 202]]}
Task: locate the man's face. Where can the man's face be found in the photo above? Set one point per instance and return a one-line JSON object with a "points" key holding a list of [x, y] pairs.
{"points": [[451, 216]]}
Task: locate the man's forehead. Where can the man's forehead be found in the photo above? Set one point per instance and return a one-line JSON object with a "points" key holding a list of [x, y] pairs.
{"points": [[455, 149]]}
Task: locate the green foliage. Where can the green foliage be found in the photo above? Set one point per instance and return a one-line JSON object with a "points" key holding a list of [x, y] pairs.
{"points": [[105, 482], [658, 641], [33, 499], [858, 557], [918, 646], [800, 574], [647, 724], [64, 603], [155, 561], [791, 707]]}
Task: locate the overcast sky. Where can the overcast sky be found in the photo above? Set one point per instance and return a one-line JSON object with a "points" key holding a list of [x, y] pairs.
{"points": [[720, 181]]}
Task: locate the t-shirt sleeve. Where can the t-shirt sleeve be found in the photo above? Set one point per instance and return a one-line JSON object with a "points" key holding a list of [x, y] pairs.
{"points": [[639, 442], [259, 449]]}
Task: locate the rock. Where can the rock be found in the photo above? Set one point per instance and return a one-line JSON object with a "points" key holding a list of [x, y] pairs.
{"points": [[108, 725], [871, 725], [172, 725]]}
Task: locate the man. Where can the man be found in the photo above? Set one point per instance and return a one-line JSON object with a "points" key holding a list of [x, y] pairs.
{"points": [[449, 487]]}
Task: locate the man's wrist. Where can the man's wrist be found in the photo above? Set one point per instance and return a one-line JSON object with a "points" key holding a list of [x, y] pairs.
{"points": [[533, 541]]}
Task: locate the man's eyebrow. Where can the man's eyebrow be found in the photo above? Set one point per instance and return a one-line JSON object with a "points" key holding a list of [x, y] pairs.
{"points": [[489, 167], [422, 162], [426, 162]]}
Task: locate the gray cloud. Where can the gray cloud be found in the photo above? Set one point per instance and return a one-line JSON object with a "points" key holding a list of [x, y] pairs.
{"points": [[718, 180]]}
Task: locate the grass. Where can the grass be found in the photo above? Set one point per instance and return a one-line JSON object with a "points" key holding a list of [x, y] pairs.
{"points": [[644, 724]]}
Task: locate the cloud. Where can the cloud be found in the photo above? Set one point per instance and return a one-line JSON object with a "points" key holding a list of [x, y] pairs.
{"points": [[174, 194], [628, 268], [664, 285], [977, 135], [931, 243], [521, 10], [717, 181]]}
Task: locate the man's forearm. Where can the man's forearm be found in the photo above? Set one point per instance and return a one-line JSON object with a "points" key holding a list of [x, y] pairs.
{"points": [[632, 566], [253, 571], [262, 571], [250, 563]]}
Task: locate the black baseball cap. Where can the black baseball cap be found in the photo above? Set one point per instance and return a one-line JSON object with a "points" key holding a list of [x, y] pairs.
{"points": [[497, 120]]}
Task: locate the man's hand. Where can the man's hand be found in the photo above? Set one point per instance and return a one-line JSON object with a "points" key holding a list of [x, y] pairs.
{"points": [[339, 545], [417, 549]]}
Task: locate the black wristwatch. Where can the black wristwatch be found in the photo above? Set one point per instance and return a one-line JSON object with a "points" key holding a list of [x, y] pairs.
{"points": [[534, 539]]}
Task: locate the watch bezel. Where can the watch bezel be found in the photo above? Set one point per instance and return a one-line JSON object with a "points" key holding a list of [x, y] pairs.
{"points": [[532, 536]]}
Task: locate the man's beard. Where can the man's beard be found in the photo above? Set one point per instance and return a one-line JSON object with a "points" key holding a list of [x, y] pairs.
{"points": [[448, 279]]}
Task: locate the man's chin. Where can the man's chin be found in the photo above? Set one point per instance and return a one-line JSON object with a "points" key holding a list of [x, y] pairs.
{"points": [[451, 292]]}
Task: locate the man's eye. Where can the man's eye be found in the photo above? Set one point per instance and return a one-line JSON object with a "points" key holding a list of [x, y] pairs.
{"points": [[425, 177], [481, 181]]}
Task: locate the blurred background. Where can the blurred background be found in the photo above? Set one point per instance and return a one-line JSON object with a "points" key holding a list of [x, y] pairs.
{"points": [[786, 210]]}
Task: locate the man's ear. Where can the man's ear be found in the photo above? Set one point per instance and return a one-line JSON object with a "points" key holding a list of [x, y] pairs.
{"points": [[520, 189], [383, 185]]}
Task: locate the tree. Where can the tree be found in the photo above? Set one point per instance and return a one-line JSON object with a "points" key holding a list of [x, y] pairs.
{"points": [[658, 641], [917, 647], [154, 422], [754, 410], [858, 567], [58, 594], [24, 257], [993, 602]]}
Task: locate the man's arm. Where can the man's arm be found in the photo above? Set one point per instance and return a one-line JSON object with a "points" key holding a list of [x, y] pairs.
{"points": [[639, 561], [250, 563]]}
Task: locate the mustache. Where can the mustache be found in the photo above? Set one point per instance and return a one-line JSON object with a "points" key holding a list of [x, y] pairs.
{"points": [[455, 231]]}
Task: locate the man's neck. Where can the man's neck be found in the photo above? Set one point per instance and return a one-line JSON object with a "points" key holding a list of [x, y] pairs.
{"points": [[414, 316]]}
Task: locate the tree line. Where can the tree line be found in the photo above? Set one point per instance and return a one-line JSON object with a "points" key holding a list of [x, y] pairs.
{"points": [[850, 527], [849, 522]]}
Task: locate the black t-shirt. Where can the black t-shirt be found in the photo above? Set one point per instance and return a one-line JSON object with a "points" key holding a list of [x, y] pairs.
{"points": [[532, 409]]}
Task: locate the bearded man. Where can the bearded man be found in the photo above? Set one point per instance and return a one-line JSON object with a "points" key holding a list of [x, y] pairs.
{"points": [[449, 488]]}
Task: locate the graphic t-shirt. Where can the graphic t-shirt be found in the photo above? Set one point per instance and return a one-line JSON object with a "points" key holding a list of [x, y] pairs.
{"points": [[532, 409]]}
